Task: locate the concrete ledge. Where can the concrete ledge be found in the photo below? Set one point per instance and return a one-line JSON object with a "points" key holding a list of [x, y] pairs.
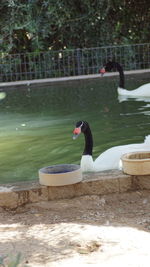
{"points": [[69, 78], [18, 194]]}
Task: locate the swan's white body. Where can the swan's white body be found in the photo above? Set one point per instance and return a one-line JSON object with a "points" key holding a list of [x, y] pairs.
{"points": [[143, 90], [110, 159]]}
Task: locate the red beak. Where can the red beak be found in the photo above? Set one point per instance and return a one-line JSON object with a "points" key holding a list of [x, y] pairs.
{"points": [[76, 132], [102, 71]]}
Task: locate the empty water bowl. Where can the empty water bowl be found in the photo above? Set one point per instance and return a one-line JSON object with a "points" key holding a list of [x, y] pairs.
{"points": [[136, 163], [58, 175]]}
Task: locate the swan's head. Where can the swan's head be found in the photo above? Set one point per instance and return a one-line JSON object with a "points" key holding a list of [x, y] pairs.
{"points": [[108, 67], [80, 127]]}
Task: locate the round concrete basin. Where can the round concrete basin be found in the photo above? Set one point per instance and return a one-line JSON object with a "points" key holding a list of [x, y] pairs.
{"points": [[59, 175], [136, 163]]}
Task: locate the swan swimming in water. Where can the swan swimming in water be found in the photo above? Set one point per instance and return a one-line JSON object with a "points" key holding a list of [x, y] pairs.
{"points": [[109, 159], [143, 90]]}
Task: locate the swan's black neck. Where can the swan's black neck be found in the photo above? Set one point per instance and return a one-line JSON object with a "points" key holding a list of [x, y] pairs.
{"points": [[88, 142], [121, 73]]}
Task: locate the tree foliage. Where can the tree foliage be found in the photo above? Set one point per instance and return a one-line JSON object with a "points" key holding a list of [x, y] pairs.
{"points": [[41, 25]]}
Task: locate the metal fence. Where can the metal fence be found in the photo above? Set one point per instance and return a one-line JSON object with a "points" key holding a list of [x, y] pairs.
{"points": [[62, 63]]}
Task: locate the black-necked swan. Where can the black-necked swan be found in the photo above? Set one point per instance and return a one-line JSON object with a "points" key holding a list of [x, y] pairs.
{"points": [[143, 90], [109, 159]]}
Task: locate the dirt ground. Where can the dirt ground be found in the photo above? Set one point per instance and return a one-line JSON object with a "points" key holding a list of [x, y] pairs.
{"points": [[109, 230]]}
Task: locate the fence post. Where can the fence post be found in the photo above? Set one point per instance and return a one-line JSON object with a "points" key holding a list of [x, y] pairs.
{"points": [[78, 61]]}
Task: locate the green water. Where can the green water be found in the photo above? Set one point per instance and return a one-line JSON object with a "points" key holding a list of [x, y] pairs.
{"points": [[36, 123]]}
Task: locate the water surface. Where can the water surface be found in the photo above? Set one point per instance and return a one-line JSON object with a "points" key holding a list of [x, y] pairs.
{"points": [[36, 123]]}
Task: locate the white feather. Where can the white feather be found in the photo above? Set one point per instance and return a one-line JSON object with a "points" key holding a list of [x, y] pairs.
{"points": [[110, 159], [143, 90]]}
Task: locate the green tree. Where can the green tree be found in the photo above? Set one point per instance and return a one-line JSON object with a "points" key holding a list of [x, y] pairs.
{"points": [[40, 25]]}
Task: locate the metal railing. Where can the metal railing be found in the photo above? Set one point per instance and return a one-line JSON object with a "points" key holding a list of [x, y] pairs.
{"points": [[62, 63]]}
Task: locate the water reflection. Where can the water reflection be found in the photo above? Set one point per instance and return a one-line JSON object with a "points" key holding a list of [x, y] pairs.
{"points": [[122, 98], [142, 109]]}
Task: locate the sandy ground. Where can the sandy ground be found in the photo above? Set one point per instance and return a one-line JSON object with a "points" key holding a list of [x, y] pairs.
{"points": [[109, 230]]}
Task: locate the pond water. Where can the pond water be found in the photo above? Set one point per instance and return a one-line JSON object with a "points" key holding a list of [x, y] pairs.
{"points": [[36, 123]]}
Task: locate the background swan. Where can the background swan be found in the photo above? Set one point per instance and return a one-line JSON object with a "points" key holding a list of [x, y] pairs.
{"points": [[109, 159], [143, 90]]}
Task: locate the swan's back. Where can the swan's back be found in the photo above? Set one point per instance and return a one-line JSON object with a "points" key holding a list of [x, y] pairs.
{"points": [[110, 159], [143, 90]]}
